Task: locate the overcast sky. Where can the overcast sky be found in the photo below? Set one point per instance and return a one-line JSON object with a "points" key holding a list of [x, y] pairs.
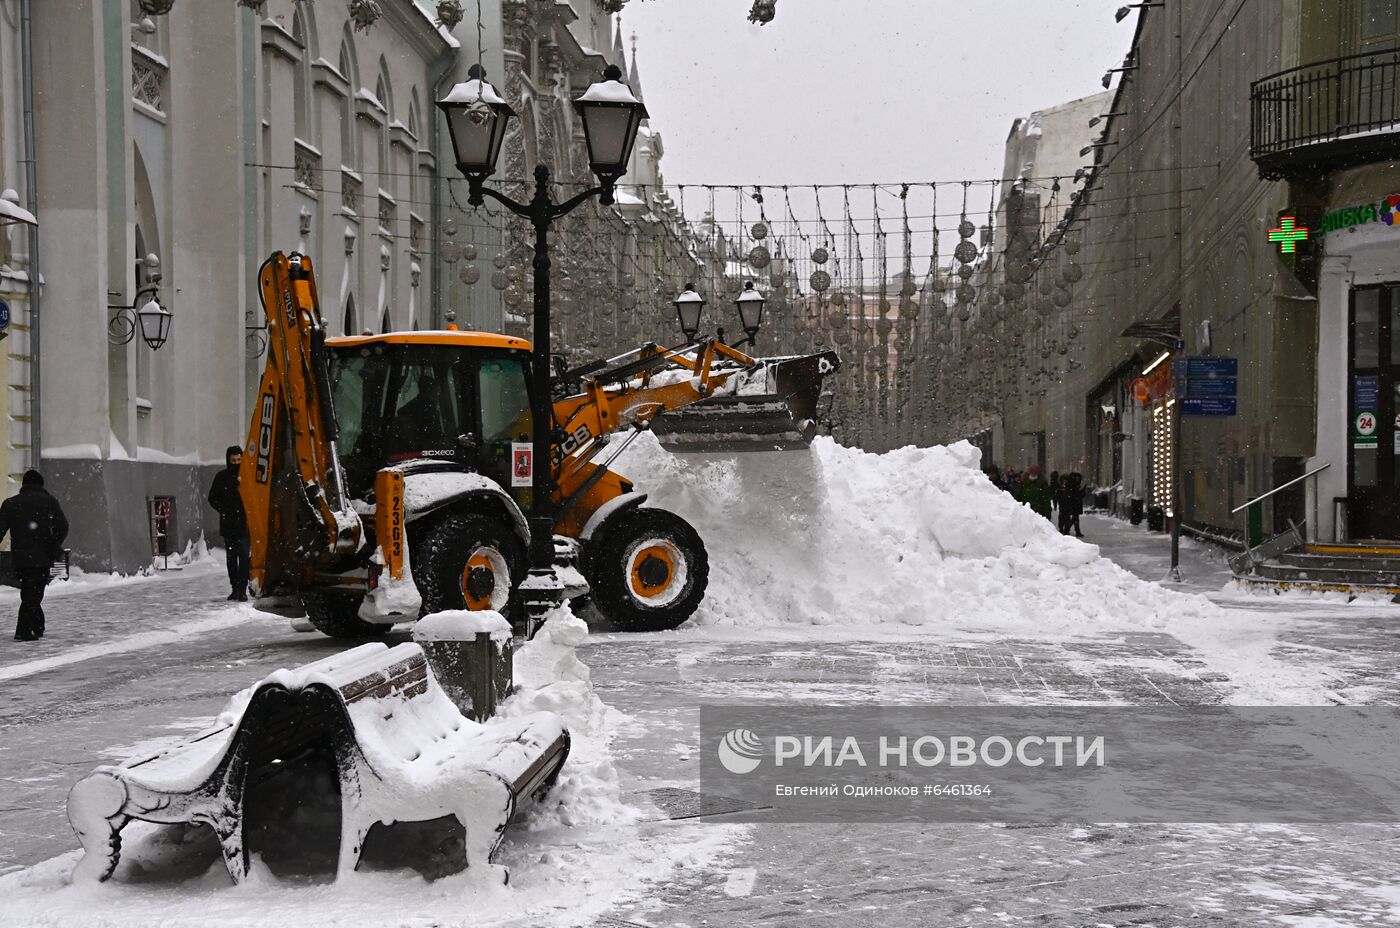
{"points": [[860, 91]]}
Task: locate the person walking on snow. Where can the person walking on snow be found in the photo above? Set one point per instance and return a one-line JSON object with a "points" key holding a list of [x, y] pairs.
{"points": [[1071, 503], [233, 522], [1035, 492], [37, 527]]}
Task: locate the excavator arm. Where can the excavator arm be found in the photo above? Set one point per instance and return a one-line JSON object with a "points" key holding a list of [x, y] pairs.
{"points": [[291, 480]]}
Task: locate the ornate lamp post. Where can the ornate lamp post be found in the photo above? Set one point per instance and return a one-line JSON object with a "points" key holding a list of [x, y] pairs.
{"points": [[477, 118]]}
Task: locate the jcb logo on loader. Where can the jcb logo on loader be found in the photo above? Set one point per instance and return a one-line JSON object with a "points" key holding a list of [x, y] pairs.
{"points": [[572, 443], [265, 423]]}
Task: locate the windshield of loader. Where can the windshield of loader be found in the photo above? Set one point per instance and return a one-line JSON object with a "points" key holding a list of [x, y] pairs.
{"points": [[399, 402]]}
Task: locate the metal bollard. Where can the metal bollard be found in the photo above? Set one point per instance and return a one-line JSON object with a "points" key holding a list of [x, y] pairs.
{"points": [[470, 655]]}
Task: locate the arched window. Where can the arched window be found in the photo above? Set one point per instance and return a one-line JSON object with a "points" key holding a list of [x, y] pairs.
{"points": [[349, 155], [413, 123], [384, 93], [349, 321], [301, 81], [386, 325]]}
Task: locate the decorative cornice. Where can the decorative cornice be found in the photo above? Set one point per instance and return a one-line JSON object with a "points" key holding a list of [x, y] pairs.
{"points": [[277, 39], [328, 76], [370, 110], [399, 135]]}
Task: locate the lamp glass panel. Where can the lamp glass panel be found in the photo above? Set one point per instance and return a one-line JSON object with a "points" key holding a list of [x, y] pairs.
{"points": [[689, 311], [155, 324], [610, 134], [476, 143], [751, 314]]}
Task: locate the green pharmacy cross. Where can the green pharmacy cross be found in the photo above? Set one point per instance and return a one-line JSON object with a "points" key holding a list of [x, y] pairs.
{"points": [[1288, 235]]}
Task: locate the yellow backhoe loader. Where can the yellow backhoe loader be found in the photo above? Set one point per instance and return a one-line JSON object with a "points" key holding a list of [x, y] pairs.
{"points": [[387, 476]]}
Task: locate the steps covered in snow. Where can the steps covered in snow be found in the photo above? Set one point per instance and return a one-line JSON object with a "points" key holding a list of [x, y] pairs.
{"points": [[1347, 568]]}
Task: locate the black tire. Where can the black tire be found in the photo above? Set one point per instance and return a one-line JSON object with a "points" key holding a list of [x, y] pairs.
{"points": [[440, 563], [619, 569], [337, 615]]}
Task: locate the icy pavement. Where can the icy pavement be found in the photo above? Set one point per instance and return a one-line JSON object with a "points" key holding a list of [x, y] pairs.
{"points": [[130, 666]]}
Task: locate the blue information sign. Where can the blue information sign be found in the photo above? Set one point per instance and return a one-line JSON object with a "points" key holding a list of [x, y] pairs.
{"points": [[1212, 368], [1214, 388], [4, 315], [1209, 407], [1365, 392]]}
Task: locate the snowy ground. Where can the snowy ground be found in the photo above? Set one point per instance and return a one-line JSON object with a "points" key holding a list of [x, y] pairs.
{"points": [[943, 597]]}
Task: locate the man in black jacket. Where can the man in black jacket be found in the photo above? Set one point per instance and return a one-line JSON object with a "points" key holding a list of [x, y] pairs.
{"points": [[37, 527], [233, 522]]}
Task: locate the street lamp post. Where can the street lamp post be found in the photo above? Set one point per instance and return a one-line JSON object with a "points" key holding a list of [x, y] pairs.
{"points": [[477, 118]]}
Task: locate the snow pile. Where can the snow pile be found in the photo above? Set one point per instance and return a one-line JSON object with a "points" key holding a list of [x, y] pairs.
{"points": [[916, 537], [549, 677]]}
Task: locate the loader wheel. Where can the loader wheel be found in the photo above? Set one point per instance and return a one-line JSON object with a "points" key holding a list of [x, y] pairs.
{"points": [[469, 562], [648, 570], [337, 615]]}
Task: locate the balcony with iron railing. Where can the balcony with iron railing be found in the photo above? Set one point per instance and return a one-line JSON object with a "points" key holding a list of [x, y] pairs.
{"points": [[1325, 116]]}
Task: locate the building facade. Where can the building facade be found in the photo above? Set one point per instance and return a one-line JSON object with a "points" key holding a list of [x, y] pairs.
{"points": [[1164, 253], [16, 449]]}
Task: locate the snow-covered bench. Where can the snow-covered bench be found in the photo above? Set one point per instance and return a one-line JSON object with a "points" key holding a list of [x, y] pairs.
{"points": [[403, 752]]}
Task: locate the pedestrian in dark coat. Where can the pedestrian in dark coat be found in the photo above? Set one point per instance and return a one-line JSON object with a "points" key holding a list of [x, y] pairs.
{"points": [[1035, 492], [1011, 483], [37, 527], [233, 522], [1072, 504]]}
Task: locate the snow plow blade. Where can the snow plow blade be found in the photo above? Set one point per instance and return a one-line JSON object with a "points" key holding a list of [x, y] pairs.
{"points": [[375, 718], [776, 408]]}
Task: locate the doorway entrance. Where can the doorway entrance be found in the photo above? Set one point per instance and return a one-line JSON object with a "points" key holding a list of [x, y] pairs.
{"points": [[1373, 413]]}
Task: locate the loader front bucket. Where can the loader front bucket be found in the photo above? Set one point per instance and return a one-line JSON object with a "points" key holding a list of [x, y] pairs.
{"points": [[775, 408]]}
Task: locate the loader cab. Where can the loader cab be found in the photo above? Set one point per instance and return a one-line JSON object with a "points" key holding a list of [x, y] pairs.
{"points": [[429, 401]]}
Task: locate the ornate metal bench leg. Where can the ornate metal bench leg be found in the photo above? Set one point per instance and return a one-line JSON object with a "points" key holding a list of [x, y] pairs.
{"points": [[95, 811]]}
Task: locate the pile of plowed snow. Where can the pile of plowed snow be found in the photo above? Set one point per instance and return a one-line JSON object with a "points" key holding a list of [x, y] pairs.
{"points": [[916, 536]]}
